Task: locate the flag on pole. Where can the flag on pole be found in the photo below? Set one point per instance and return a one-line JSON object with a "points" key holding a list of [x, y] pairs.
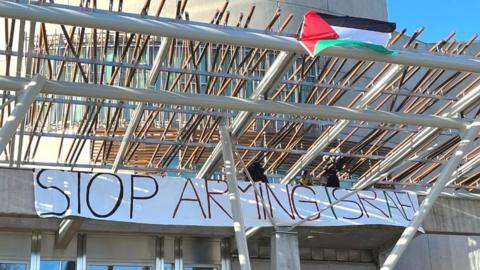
{"points": [[321, 31]]}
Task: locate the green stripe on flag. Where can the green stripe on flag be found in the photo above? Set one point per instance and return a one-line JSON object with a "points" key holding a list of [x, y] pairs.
{"points": [[327, 43]]}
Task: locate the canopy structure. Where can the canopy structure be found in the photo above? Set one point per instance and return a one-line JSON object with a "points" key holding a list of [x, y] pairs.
{"points": [[92, 89], [102, 50]]}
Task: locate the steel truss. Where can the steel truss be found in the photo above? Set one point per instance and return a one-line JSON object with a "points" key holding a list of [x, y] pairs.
{"points": [[424, 93]]}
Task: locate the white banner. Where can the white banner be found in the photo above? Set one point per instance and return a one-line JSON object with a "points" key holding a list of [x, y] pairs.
{"points": [[180, 201]]}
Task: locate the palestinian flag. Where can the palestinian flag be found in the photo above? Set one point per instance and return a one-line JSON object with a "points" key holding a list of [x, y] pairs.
{"points": [[321, 31]]}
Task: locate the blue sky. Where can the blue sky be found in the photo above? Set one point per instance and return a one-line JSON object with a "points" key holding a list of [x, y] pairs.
{"points": [[439, 17]]}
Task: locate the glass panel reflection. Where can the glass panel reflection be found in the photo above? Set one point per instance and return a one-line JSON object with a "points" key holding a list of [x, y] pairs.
{"points": [[119, 267], [57, 265], [200, 268], [13, 266]]}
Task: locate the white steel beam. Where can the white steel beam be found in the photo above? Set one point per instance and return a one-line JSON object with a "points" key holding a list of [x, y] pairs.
{"points": [[465, 168], [432, 195], [137, 115], [149, 25], [319, 145], [25, 99], [272, 77], [31, 48], [233, 103], [404, 151], [419, 139], [234, 196], [21, 41]]}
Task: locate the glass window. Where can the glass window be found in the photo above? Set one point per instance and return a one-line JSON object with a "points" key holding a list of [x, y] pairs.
{"points": [[57, 265], [168, 266], [119, 267], [200, 268], [13, 266]]}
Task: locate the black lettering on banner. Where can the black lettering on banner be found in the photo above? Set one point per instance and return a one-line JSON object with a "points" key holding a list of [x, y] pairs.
{"points": [[403, 205], [349, 201], [264, 208], [79, 188], [210, 197], [362, 198], [313, 201], [270, 191], [388, 199], [258, 198], [119, 199], [411, 202], [57, 189], [197, 198], [132, 191], [330, 202]]}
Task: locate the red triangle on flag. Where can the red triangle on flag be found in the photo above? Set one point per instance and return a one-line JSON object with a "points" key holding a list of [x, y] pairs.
{"points": [[315, 28]]}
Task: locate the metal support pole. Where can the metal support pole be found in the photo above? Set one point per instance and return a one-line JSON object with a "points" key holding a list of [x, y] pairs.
{"points": [[234, 196], [225, 254], [324, 141], [433, 193], [178, 253], [137, 115], [21, 45], [272, 77], [31, 48], [159, 253], [25, 99], [81, 263], [35, 251]]}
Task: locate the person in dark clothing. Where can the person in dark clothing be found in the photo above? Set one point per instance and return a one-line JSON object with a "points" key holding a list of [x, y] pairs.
{"points": [[332, 166], [332, 178], [257, 172]]}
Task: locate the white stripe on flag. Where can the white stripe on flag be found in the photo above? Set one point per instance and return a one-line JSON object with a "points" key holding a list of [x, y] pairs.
{"points": [[362, 35]]}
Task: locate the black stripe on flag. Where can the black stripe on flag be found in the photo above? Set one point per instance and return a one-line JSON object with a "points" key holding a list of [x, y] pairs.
{"points": [[358, 23]]}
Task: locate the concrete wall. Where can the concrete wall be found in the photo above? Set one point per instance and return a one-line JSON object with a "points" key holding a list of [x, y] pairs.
{"points": [[265, 265], [441, 252], [453, 215]]}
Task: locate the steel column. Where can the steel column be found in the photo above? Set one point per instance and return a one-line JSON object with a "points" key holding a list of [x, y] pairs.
{"points": [[81, 263], [322, 142], [226, 255], [25, 99], [159, 253], [20, 56], [234, 196], [272, 77], [432, 195], [150, 25], [233, 103], [31, 48], [178, 253], [137, 115], [35, 251]]}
